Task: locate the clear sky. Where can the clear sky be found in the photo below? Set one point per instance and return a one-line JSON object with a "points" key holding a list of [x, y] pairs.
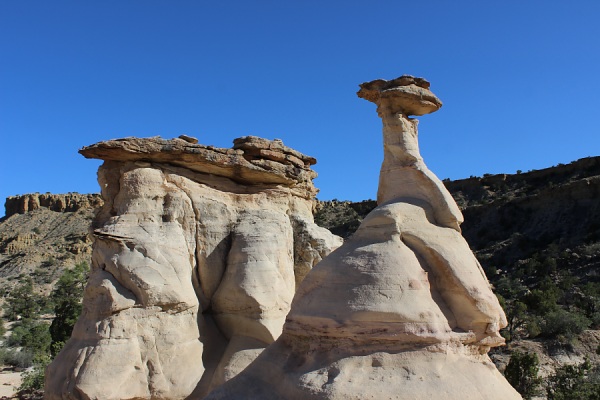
{"points": [[519, 80]]}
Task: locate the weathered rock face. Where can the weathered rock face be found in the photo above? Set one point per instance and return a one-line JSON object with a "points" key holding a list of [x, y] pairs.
{"points": [[402, 309], [55, 202], [197, 253]]}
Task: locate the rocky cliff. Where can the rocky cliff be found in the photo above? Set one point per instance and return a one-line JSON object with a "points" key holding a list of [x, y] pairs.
{"points": [[42, 234], [197, 253], [69, 202], [512, 217]]}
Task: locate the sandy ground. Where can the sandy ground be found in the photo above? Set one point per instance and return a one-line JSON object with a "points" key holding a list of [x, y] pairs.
{"points": [[9, 382]]}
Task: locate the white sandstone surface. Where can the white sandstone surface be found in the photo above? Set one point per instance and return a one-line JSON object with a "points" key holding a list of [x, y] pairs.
{"points": [[197, 254], [402, 310]]}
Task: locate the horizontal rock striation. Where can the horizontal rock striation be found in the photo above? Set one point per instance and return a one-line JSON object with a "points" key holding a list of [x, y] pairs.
{"points": [[55, 202], [252, 160]]}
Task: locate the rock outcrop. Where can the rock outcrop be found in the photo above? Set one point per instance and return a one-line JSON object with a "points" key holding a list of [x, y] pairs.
{"points": [[42, 234], [69, 202], [197, 253], [403, 309]]}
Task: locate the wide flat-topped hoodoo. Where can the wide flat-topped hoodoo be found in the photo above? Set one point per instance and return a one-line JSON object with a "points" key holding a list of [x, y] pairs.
{"points": [[196, 257]]}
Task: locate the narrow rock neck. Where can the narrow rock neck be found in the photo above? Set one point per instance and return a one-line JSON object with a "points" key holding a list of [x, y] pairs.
{"points": [[405, 176], [400, 140]]}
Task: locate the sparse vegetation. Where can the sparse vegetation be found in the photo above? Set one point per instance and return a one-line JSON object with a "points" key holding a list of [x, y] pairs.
{"points": [[66, 297], [581, 382], [33, 342], [522, 373], [22, 302], [34, 379]]}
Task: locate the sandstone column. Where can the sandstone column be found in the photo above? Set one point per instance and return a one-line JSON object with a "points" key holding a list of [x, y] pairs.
{"points": [[403, 172], [402, 310]]}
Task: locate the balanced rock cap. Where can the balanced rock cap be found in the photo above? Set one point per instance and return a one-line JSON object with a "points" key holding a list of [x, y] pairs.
{"points": [[406, 94]]}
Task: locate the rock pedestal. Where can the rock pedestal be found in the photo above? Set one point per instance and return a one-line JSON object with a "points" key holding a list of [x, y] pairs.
{"points": [[197, 253], [402, 310]]}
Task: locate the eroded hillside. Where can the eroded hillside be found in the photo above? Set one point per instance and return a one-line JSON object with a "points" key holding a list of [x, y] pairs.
{"points": [[42, 234]]}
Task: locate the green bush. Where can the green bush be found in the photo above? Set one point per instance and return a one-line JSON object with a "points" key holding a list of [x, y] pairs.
{"points": [[66, 296], [16, 358], [564, 324], [516, 314], [544, 299], [579, 382], [22, 302], [32, 336], [34, 379], [522, 373], [533, 327]]}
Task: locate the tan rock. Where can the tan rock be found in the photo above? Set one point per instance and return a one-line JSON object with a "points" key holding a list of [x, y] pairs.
{"points": [[188, 139], [55, 202], [236, 164], [403, 173], [402, 310], [193, 267]]}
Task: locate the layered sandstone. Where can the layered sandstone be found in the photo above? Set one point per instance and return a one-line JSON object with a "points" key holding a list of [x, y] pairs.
{"points": [[69, 202], [402, 310], [197, 253]]}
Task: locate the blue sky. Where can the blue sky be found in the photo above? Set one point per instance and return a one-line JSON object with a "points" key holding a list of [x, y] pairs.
{"points": [[519, 81]]}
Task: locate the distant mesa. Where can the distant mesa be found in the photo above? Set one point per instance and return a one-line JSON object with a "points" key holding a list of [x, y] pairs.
{"points": [[55, 202]]}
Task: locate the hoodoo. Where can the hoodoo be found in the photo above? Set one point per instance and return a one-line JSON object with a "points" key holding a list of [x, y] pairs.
{"points": [[197, 253], [402, 310]]}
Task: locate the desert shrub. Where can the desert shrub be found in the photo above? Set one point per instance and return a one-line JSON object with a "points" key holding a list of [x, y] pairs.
{"points": [[564, 324], [522, 373], [589, 302], [510, 288], [22, 301], [543, 299], [16, 358], [34, 379], [547, 266], [32, 336], [531, 266], [516, 315], [66, 296], [579, 382], [50, 262], [533, 327]]}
